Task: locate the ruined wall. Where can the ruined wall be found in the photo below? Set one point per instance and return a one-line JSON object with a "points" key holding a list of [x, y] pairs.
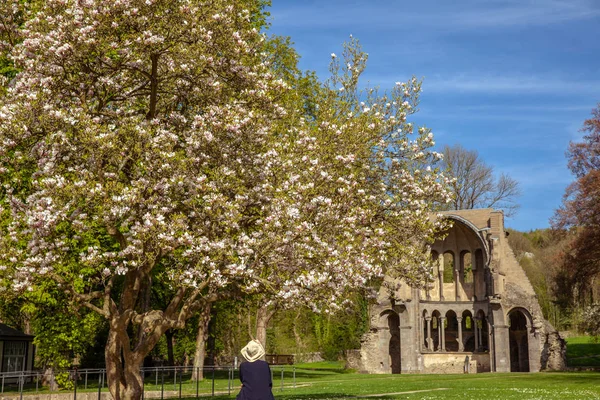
{"points": [[374, 357], [500, 287], [519, 293], [554, 349], [448, 363]]}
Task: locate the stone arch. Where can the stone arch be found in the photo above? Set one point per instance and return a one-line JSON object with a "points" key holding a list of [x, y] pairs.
{"points": [[466, 274], [462, 236], [451, 330], [468, 331], [519, 321], [482, 332], [524, 311], [436, 323], [466, 267], [392, 318], [449, 266], [447, 276], [482, 243], [430, 286]]}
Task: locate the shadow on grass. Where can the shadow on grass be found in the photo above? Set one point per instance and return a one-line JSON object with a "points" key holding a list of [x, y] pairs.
{"points": [[311, 374], [583, 351], [316, 396]]}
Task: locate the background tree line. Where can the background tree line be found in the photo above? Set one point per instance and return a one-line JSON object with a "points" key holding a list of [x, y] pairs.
{"points": [[563, 262]]}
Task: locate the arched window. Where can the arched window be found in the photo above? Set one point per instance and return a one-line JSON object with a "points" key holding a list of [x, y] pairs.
{"points": [[451, 331], [482, 327], [467, 269], [448, 268], [468, 331], [518, 341], [434, 322]]}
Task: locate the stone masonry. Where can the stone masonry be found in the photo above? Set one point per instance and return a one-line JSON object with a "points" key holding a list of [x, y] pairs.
{"points": [[480, 313]]}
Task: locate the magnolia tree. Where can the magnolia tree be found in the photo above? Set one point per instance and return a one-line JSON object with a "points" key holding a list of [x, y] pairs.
{"points": [[356, 199], [134, 145], [153, 140]]}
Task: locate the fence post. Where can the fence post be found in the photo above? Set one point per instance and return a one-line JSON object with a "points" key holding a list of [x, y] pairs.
{"points": [[197, 380], [229, 380], [282, 367], [143, 381], [180, 382], [213, 381], [21, 383], [162, 386], [99, 384], [75, 384], [294, 373]]}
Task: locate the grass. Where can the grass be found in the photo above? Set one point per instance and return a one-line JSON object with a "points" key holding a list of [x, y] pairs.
{"points": [[330, 366], [328, 380], [323, 384], [582, 351]]}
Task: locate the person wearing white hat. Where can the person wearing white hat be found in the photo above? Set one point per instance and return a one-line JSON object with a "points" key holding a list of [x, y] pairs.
{"points": [[255, 374]]}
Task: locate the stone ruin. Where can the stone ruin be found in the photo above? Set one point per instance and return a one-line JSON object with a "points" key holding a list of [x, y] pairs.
{"points": [[479, 315]]}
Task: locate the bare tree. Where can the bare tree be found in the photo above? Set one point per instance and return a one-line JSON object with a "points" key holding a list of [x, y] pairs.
{"points": [[475, 184]]}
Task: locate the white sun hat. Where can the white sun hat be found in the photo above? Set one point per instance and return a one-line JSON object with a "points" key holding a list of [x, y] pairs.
{"points": [[253, 351]]}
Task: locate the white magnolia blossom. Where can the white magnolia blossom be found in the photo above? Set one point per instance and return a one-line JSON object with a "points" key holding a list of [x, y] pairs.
{"points": [[156, 137]]}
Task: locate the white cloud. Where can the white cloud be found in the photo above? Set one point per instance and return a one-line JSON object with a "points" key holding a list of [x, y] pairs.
{"points": [[511, 84]]}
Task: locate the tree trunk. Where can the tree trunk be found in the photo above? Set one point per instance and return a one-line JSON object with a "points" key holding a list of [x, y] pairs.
{"points": [[263, 316], [170, 355], [49, 379], [201, 338], [27, 324], [125, 355], [122, 368], [297, 336]]}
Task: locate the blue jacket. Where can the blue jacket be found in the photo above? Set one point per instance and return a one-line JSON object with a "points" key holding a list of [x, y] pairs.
{"points": [[256, 381]]}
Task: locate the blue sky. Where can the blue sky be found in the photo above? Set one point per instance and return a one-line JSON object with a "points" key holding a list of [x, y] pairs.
{"points": [[513, 80]]}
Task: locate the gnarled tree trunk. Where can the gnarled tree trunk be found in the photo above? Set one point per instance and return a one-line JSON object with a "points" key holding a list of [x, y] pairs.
{"points": [[122, 368]]}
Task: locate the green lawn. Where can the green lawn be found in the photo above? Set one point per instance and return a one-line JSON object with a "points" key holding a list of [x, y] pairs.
{"points": [[328, 383], [329, 380], [582, 351]]}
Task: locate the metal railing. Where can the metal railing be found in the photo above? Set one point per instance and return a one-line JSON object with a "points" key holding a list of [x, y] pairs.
{"points": [[158, 382]]}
